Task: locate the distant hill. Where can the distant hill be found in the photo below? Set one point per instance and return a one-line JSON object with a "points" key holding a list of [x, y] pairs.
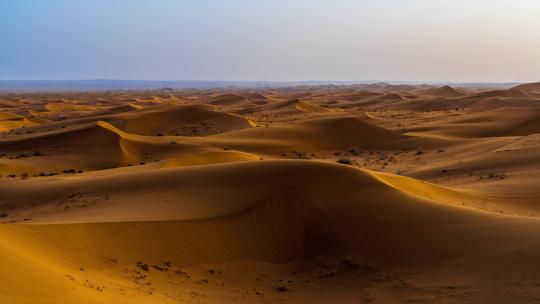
{"points": [[104, 84]]}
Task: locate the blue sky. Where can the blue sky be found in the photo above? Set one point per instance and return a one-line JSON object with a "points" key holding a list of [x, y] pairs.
{"points": [[417, 40]]}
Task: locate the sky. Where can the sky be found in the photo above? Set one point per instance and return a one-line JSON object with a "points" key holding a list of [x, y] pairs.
{"points": [[271, 40]]}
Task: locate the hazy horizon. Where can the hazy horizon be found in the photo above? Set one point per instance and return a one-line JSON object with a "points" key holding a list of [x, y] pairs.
{"points": [[344, 40]]}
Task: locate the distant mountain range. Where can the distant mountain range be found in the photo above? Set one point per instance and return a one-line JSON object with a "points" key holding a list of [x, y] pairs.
{"points": [[104, 84]]}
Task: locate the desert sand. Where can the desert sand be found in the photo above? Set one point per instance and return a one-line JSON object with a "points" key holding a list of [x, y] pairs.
{"points": [[329, 194]]}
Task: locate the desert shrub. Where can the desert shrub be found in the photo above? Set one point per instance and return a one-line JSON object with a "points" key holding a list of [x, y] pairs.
{"points": [[493, 175], [159, 268], [345, 161], [142, 266], [301, 155], [354, 151], [304, 155]]}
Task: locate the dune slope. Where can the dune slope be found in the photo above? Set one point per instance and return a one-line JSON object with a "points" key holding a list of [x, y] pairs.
{"points": [[290, 210]]}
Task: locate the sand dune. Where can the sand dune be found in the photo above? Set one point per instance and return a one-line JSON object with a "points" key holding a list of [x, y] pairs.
{"points": [[372, 193], [511, 93], [446, 91], [294, 217], [281, 106], [226, 100], [504, 121], [65, 106], [530, 88], [307, 107], [186, 120], [322, 134], [257, 98], [9, 121]]}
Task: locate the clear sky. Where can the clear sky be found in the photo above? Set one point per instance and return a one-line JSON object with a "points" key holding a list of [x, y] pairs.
{"points": [[415, 40]]}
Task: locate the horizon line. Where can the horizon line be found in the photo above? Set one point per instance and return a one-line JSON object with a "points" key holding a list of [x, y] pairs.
{"points": [[278, 81]]}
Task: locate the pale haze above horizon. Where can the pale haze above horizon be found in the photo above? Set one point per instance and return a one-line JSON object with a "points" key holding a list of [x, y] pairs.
{"points": [[271, 40]]}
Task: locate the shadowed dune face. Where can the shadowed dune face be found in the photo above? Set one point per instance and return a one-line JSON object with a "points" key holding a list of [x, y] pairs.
{"points": [[352, 194]]}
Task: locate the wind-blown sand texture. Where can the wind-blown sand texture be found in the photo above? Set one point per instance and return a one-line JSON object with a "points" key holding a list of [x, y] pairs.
{"points": [[332, 194]]}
